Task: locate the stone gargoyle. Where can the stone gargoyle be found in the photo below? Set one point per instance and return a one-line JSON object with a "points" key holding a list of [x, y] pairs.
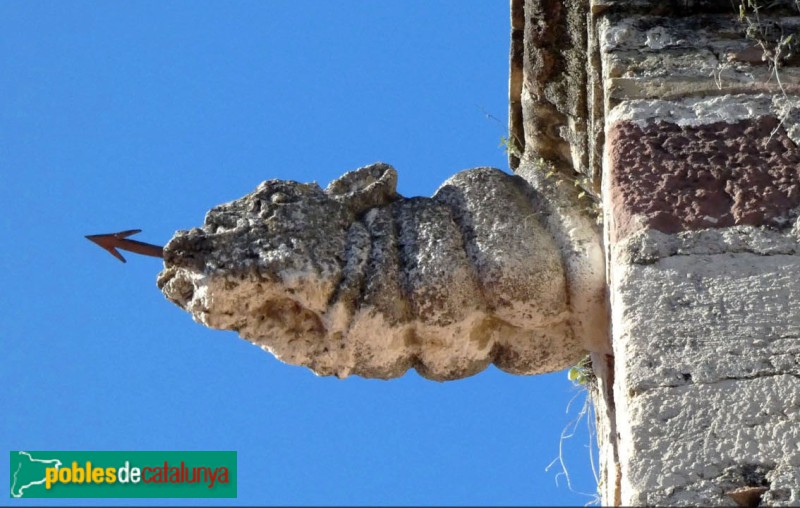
{"points": [[356, 279]]}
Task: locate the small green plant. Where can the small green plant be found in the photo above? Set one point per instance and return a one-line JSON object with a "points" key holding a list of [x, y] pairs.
{"points": [[511, 146], [581, 374], [777, 43]]}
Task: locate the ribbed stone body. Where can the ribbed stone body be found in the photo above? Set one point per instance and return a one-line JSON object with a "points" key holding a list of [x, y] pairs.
{"points": [[355, 279]]}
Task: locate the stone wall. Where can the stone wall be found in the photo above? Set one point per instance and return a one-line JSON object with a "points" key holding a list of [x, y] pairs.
{"points": [[696, 138]]}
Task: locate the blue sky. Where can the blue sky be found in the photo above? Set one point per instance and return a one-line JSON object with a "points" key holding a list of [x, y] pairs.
{"points": [[122, 115]]}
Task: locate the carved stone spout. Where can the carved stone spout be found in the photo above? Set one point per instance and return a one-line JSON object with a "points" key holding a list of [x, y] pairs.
{"points": [[356, 279]]}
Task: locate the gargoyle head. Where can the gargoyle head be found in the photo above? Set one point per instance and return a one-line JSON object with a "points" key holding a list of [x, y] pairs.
{"points": [[355, 279]]}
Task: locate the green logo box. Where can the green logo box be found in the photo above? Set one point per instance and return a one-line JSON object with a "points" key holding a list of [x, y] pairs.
{"points": [[50, 474]]}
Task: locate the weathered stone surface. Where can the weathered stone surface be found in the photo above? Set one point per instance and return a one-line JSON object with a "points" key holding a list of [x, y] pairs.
{"points": [[664, 57], [701, 187], [649, 245], [674, 178], [575, 234], [708, 360], [355, 279], [549, 107]]}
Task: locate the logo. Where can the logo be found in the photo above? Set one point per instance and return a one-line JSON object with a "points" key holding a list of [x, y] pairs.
{"points": [[122, 474]]}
